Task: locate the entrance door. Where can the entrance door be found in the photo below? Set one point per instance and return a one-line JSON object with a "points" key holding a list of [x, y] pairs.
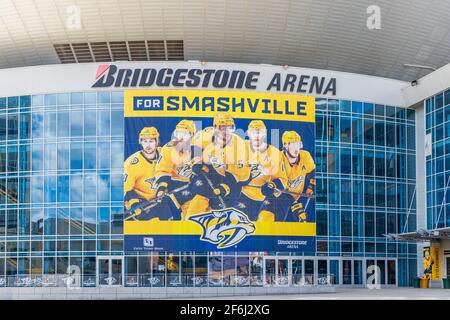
{"points": [[110, 271], [346, 271], [283, 272], [269, 272], [297, 272]]}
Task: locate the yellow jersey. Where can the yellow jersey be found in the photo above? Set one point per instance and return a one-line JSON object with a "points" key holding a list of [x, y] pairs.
{"points": [[174, 164], [296, 173], [230, 158], [265, 166], [139, 175]]}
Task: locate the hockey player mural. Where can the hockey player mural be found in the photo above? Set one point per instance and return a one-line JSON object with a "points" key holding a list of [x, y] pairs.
{"points": [[213, 171]]}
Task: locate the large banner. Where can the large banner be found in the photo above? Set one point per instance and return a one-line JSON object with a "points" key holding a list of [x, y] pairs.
{"points": [[219, 171]]}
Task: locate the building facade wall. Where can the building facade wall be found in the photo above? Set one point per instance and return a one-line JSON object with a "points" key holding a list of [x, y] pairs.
{"points": [[61, 189]]}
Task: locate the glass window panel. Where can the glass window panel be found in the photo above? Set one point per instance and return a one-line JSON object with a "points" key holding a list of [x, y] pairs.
{"points": [[76, 123], [50, 125], [63, 218], [103, 220], [369, 108], [37, 221], [90, 123], [104, 123], [25, 126], [63, 124], [37, 125], [117, 123], [76, 155], [63, 156], [90, 155], [13, 126], [3, 127]]}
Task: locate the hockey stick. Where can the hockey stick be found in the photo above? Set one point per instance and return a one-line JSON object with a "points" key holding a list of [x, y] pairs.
{"points": [[222, 203], [151, 203], [305, 195]]}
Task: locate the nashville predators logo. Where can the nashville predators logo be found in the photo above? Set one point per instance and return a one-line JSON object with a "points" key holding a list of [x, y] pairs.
{"points": [[225, 227]]}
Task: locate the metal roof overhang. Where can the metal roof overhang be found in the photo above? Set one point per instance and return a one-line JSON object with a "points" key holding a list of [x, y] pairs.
{"points": [[421, 235]]}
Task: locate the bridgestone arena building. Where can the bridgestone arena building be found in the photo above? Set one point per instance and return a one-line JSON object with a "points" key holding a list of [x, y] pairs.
{"points": [[381, 150]]}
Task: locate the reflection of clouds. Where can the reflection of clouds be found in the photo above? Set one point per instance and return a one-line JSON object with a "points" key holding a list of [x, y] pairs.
{"points": [[103, 187], [117, 155], [37, 185], [90, 183], [76, 188], [37, 125], [37, 160]]}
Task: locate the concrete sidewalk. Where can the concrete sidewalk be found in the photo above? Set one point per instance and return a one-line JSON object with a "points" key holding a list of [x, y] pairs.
{"points": [[361, 294]]}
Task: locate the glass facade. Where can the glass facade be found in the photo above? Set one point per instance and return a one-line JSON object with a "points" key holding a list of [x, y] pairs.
{"points": [[437, 124], [61, 198]]}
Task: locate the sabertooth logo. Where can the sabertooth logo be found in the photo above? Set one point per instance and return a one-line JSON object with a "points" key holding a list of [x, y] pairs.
{"points": [[225, 227]]}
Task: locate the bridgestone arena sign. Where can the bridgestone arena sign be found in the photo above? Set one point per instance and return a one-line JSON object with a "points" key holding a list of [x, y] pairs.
{"points": [[112, 76]]}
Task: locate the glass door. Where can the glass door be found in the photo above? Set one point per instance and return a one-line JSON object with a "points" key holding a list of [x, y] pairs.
{"points": [[282, 272], [110, 271], [346, 271], [269, 271], [297, 272], [309, 271], [391, 272]]}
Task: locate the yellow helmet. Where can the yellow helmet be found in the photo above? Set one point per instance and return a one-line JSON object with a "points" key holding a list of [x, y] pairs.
{"points": [[223, 119], [186, 125], [256, 125], [149, 133], [290, 137]]}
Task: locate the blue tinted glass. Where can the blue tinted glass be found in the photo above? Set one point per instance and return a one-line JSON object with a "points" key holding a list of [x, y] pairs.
{"points": [[37, 125], [103, 97], [356, 107], [63, 124], [90, 151], [103, 220], [76, 190], [37, 157], [390, 111], [345, 128], [368, 108], [103, 122], [2, 103], [447, 97], [117, 155], [50, 99], [25, 126], [37, 185], [76, 123], [50, 156], [90, 98], [357, 131], [50, 223], [90, 187], [76, 155], [117, 187], [117, 123], [50, 125], [90, 123], [25, 102], [37, 100], [103, 188], [379, 110], [63, 187], [50, 188], [345, 105], [13, 126], [321, 104], [439, 100], [117, 97], [103, 155], [13, 102], [63, 99], [63, 156], [3, 127], [76, 98], [13, 157], [379, 133]]}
